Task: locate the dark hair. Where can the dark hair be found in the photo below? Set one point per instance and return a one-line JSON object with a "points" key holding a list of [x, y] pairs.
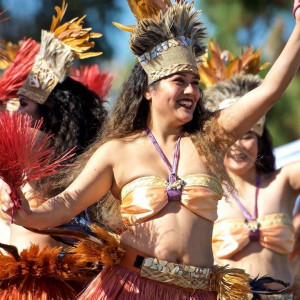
{"points": [[75, 116], [265, 161]]}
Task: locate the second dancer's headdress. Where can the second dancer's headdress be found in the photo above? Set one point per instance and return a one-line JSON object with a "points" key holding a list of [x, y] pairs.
{"points": [[168, 38], [59, 47], [228, 78]]}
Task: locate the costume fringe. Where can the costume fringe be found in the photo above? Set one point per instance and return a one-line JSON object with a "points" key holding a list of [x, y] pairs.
{"points": [[41, 274], [91, 76], [231, 283], [108, 253], [34, 262], [102, 248], [25, 153]]}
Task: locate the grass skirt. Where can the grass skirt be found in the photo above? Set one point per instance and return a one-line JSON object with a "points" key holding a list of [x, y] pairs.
{"points": [[120, 283], [41, 274]]}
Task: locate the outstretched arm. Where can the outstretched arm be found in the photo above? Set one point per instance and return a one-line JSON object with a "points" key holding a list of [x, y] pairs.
{"points": [[93, 183], [241, 116]]}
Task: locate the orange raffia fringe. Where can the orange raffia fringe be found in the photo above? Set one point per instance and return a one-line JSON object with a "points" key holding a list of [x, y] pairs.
{"points": [[41, 274], [103, 246], [109, 252]]}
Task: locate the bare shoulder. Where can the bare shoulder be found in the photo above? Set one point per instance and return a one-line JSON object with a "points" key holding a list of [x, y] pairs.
{"points": [[114, 149], [290, 174]]}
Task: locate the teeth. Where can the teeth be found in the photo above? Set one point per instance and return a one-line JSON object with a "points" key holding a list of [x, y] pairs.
{"points": [[185, 103]]}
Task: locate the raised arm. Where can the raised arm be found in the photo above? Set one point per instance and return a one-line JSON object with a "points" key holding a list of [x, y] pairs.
{"points": [[93, 182], [241, 116]]}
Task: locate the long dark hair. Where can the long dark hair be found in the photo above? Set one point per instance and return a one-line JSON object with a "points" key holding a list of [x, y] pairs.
{"points": [[265, 161], [75, 116]]}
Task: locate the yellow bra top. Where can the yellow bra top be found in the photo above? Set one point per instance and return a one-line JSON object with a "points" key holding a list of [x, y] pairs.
{"points": [[146, 196], [232, 235]]}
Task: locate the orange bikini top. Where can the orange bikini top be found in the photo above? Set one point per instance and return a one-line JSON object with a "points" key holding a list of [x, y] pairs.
{"points": [[232, 235], [146, 196]]}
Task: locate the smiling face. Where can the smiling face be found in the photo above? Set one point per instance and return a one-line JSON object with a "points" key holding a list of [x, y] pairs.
{"points": [[241, 157], [175, 98], [27, 106]]}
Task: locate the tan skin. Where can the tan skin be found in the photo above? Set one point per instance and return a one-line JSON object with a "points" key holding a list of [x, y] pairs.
{"points": [[277, 194], [173, 234]]}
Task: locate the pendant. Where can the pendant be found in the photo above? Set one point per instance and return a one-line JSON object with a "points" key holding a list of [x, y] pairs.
{"points": [[176, 185], [253, 229]]}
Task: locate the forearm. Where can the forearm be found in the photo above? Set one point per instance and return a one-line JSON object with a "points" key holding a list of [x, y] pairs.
{"points": [[54, 212]]}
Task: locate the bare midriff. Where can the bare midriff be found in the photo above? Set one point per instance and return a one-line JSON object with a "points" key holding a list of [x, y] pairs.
{"points": [[259, 261], [174, 234]]}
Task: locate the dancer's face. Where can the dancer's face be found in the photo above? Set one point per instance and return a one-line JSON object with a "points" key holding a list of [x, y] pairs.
{"points": [[175, 97], [27, 106], [241, 157]]}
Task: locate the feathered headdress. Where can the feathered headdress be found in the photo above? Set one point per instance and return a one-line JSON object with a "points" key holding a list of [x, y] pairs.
{"points": [[58, 49], [168, 38], [220, 65], [8, 53], [15, 75], [91, 76], [228, 78], [3, 57]]}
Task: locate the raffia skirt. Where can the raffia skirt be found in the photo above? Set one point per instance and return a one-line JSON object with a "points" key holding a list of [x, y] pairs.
{"points": [[138, 276], [120, 283]]}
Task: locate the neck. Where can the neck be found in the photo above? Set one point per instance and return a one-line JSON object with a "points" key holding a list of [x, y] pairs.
{"points": [[242, 180], [164, 132]]}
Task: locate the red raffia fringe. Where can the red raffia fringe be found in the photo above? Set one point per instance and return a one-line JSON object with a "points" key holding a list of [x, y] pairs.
{"points": [[25, 154], [15, 75], [95, 80]]}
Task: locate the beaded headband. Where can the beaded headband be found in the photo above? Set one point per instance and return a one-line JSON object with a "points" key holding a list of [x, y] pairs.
{"points": [[167, 39], [59, 48]]}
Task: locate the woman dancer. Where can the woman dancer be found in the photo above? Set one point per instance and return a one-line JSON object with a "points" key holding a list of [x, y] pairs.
{"points": [[67, 110], [161, 155], [254, 229]]}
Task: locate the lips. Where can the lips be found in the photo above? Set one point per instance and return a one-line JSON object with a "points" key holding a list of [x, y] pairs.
{"points": [[186, 103], [239, 157]]}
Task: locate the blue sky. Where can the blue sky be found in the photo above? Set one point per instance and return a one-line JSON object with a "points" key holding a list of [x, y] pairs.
{"points": [[120, 38]]}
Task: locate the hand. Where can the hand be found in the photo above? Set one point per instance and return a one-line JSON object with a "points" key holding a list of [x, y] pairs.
{"points": [[16, 215], [296, 11], [5, 191]]}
